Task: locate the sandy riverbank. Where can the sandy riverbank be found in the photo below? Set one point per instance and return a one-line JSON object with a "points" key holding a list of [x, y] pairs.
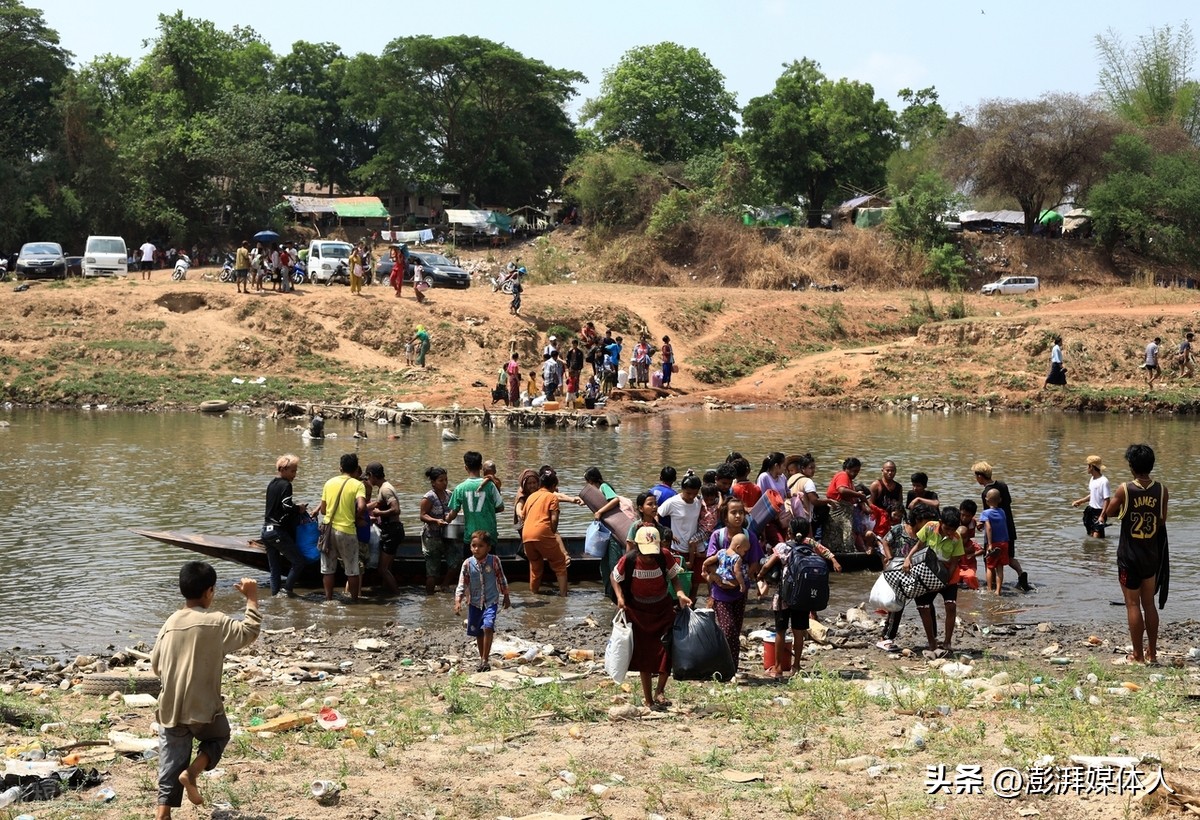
{"points": [[852, 736], [163, 344]]}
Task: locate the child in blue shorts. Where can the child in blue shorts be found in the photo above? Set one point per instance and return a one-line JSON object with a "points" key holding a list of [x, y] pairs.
{"points": [[483, 583]]}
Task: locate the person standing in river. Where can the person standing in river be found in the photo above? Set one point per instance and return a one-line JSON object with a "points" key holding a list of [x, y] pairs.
{"points": [[1096, 499], [279, 526], [983, 476], [344, 500], [1142, 563]]}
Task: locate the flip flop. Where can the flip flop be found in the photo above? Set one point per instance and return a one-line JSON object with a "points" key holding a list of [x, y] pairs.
{"points": [[661, 700]]}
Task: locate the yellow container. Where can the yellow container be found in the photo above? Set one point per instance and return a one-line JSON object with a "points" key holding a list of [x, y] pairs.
{"points": [[551, 406]]}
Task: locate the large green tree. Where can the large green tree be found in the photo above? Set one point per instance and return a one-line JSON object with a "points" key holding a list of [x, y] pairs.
{"points": [[467, 111], [1149, 83], [324, 131], [1036, 152], [1149, 200], [918, 126], [811, 134], [32, 64], [668, 99]]}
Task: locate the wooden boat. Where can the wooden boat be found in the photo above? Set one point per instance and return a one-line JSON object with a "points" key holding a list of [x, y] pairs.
{"points": [[409, 565]]}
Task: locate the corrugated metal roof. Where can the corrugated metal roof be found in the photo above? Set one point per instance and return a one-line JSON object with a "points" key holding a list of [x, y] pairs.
{"points": [[999, 217]]}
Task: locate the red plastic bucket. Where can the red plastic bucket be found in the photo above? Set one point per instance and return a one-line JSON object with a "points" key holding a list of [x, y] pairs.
{"points": [[769, 654]]}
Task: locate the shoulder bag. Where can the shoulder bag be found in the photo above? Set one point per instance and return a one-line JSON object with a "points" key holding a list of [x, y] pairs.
{"points": [[325, 528]]}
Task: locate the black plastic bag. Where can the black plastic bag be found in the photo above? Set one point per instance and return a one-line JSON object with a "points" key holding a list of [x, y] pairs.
{"points": [[698, 648]]}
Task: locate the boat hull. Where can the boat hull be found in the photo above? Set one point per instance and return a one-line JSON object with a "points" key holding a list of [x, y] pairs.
{"points": [[409, 565]]}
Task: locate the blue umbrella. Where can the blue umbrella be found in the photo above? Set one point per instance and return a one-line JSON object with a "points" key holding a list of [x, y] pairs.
{"points": [[266, 236]]}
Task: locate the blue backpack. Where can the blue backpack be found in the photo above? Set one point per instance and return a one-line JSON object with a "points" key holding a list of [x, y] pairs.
{"points": [[805, 584]]}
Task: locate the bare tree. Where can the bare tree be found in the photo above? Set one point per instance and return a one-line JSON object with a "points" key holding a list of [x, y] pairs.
{"points": [[1035, 151]]}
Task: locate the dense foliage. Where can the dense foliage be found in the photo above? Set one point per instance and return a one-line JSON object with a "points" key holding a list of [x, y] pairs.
{"points": [[198, 140], [665, 98]]}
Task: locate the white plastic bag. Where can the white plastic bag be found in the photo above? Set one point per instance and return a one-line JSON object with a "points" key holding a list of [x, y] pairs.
{"points": [[619, 651], [884, 597], [595, 541]]}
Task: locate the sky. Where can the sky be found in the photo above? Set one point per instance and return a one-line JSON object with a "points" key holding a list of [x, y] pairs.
{"points": [[969, 51]]}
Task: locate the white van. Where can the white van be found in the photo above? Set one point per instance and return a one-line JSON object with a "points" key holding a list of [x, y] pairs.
{"points": [[105, 256], [324, 256]]}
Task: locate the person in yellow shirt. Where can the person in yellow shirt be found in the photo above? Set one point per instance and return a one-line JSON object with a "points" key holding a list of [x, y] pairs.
{"points": [[343, 502], [356, 269], [241, 267]]}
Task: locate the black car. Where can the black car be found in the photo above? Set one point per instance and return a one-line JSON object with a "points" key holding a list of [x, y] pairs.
{"points": [[41, 260], [440, 271]]}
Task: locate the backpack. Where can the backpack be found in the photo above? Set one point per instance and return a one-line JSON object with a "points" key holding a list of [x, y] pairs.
{"points": [[805, 584]]}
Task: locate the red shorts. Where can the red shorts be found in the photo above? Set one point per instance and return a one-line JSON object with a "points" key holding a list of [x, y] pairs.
{"points": [[996, 555]]}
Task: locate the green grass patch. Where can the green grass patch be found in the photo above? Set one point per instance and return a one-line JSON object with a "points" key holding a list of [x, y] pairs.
{"points": [[732, 362], [148, 346]]}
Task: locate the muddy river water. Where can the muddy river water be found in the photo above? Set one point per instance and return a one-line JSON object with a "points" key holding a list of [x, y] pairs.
{"points": [[75, 578]]}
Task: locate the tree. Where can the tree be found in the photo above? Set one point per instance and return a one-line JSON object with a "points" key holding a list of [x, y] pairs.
{"points": [[668, 99], [468, 111], [1036, 152], [1149, 83], [916, 217], [918, 127], [32, 63], [615, 187], [810, 135], [323, 129], [1150, 200]]}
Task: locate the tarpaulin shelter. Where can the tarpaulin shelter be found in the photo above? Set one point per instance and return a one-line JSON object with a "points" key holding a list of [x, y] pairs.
{"points": [[360, 207], [988, 220], [776, 216], [1077, 220], [1049, 218], [470, 219], [870, 217]]}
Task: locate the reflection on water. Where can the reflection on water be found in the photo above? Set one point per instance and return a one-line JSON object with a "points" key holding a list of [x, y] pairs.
{"points": [[75, 482]]}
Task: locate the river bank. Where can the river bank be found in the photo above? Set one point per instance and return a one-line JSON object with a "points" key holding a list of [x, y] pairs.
{"points": [[163, 345], [856, 734]]}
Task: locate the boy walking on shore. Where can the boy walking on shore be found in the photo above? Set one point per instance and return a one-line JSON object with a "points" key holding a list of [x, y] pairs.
{"points": [[483, 585], [188, 656]]}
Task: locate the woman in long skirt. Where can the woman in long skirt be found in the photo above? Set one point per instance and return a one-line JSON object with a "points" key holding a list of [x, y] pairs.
{"points": [[643, 580], [1058, 373], [729, 605]]}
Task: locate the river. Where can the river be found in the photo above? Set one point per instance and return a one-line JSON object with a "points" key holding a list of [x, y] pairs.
{"points": [[75, 578]]}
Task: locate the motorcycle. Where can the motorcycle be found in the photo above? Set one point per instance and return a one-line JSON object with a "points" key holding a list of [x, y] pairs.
{"points": [[511, 275], [182, 264], [340, 276], [227, 274], [299, 273]]}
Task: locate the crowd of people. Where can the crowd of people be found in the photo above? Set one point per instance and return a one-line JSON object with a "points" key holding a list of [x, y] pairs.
{"points": [[562, 370], [717, 532]]}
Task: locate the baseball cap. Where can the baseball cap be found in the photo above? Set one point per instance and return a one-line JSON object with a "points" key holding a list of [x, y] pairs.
{"points": [[647, 540], [554, 338]]}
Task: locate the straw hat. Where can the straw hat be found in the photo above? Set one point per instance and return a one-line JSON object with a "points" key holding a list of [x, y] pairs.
{"points": [[1094, 461]]}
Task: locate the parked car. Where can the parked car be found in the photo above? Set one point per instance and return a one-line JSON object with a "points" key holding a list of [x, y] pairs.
{"points": [[1011, 284], [440, 271], [105, 256], [74, 266], [324, 257], [39, 260]]}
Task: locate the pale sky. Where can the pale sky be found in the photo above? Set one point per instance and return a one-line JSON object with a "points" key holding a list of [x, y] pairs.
{"points": [[969, 50]]}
